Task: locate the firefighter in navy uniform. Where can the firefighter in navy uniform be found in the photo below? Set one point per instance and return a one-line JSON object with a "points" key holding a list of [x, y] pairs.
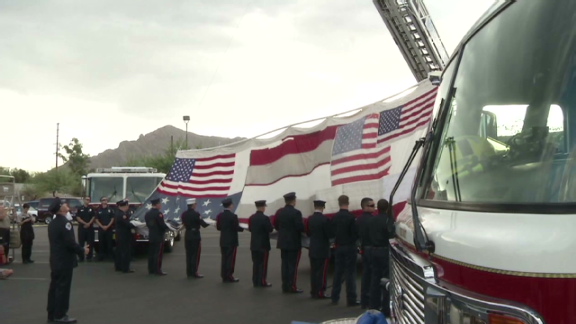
{"points": [[380, 231], [63, 259], [105, 221], [229, 226], [123, 237], [156, 230], [319, 229], [260, 227], [362, 227], [85, 217], [345, 236], [192, 239], [290, 227]]}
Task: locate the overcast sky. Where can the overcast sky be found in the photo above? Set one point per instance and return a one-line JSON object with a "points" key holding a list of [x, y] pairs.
{"points": [[110, 70]]}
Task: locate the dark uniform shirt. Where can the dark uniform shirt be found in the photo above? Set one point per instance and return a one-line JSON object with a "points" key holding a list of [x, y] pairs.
{"points": [[260, 226], [156, 225], [344, 228], [105, 216], [192, 222], [320, 232], [380, 230], [86, 213], [362, 229], [289, 225], [123, 225], [63, 247], [229, 226]]}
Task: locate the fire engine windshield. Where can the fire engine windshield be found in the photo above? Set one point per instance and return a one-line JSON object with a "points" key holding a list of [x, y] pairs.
{"points": [[509, 135], [111, 187], [139, 188]]}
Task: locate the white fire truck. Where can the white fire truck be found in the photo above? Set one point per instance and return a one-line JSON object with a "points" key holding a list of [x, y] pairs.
{"points": [[132, 183], [488, 236]]}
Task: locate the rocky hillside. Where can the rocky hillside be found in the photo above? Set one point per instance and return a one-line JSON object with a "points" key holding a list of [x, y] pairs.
{"points": [[154, 143]]}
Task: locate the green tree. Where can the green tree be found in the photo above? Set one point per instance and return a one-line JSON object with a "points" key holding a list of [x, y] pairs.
{"points": [[21, 176], [61, 180], [77, 161]]}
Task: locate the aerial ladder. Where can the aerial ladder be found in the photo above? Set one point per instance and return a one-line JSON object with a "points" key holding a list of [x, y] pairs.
{"points": [[414, 33]]}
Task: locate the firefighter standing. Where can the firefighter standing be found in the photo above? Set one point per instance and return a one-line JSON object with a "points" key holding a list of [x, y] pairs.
{"points": [[85, 218], [362, 228], [380, 230], [26, 233], [260, 226], [156, 230], [105, 221], [63, 251], [123, 237], [319, 230], [192, 222], [345, 253], [228, 225], [289, 224]]}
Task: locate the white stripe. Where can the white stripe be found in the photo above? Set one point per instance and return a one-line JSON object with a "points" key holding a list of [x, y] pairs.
{"points": [[192, 192], [362, 172], [430, 97], [219, 160], [212, 177], [422, 117], [356, 152], [382, 157], [218, 168]]}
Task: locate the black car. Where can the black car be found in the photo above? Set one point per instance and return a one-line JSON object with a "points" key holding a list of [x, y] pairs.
{"points": [[44, 203]]}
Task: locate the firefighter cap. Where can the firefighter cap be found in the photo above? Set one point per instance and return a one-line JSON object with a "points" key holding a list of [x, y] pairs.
{"points": [[260, 203], [190, 201]]}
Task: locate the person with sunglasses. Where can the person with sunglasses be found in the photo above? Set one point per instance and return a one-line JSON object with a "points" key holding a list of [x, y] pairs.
{"points": [[362, 228]]}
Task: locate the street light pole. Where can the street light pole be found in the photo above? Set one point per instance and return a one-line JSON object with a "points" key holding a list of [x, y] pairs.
{"points": [[186, 120]]}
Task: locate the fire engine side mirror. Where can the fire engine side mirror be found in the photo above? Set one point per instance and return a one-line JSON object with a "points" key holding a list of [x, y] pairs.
{"points": [[435, 77]]}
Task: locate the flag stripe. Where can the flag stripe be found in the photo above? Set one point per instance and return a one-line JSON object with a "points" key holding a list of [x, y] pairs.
{"points": [[195, 187], [358, 167], [199, 166], [361, 156], [363, 177], [297, 144], [288, 176], [424, 121]]}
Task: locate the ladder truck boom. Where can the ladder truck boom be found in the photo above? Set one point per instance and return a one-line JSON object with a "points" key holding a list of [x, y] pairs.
{"points": [[415, 35]]}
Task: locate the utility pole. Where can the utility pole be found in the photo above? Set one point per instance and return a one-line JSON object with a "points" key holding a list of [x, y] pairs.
{"points": [[186, 119], [57, 143]]}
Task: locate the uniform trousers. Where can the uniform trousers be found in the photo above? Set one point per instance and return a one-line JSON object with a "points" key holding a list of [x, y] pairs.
{"points": [[290, 259], [193, 249], [379, 299], [319, 269], [345, 268], [105, 238], [59, 293], [123, 254], [86, 236], [155, 250], [228, 262], [366, 277], [259, 267]]}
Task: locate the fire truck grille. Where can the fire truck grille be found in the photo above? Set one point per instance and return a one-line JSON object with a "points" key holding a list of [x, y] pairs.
{"points": [[407, 296]]}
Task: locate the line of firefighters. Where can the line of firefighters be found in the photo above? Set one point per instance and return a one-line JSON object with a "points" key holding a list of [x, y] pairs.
{"points": [[371, 230]]}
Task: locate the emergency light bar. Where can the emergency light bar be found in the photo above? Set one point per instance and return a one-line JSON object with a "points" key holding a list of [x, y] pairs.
{"points": [[126, 170]]}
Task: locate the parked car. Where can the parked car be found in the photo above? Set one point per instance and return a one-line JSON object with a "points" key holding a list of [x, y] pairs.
{"points": [[33, 204], [44, 203]]}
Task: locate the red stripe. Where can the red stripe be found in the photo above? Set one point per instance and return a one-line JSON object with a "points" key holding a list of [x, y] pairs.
{"points": [[360, 167], [292, 145], [370, 135], [209, 181], [406, 130], [168, 193], [361, 177], [198, 257], [406, 116], [361, 156], [221, 172], [420, 98], [284, 177], [294, 285], [184, 186], [265, 269], [213, 166], [216, 157]]}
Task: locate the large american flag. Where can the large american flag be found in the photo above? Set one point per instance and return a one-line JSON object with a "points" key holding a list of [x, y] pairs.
{"points": [[405, 119], [206, 179], [200, 178], [356, 156]]}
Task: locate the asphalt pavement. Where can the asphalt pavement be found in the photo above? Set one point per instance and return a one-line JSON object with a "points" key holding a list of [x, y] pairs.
{"points": [[102, 296]]}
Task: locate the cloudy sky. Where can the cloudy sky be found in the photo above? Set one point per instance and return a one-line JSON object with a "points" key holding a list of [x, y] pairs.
{"points": [[110, 70]]}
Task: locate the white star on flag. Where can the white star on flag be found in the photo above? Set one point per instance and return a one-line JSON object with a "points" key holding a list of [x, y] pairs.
{"points": [[165, 200], [177, 210], [206, 203], [148, 206], [167, 211], [208, 212]]}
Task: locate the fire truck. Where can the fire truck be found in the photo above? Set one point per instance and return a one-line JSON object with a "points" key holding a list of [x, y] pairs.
{"points": [[488, 234], [132, 183]]}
